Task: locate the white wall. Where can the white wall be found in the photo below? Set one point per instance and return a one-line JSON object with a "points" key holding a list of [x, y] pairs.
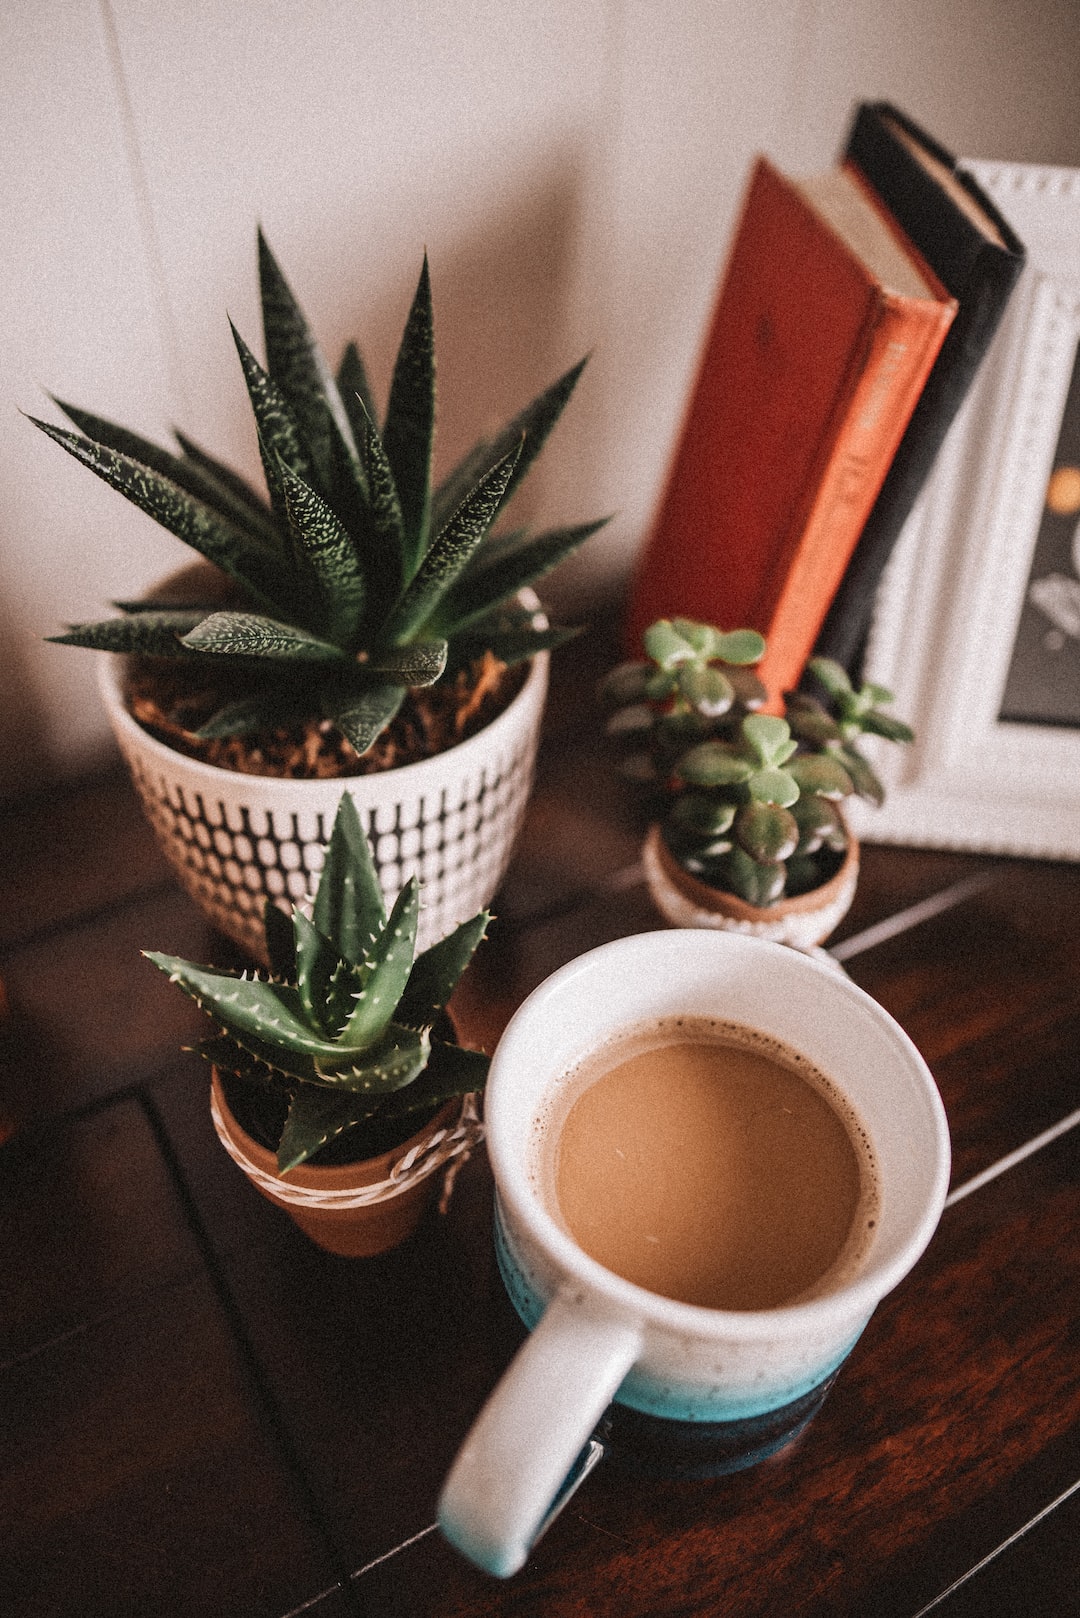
{"points": [[573, 169]]}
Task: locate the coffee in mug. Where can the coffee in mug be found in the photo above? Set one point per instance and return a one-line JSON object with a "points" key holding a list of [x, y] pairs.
{"points": [[711, 1164]]}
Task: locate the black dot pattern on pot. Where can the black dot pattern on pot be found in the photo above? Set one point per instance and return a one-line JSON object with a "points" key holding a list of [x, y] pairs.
{"points": [[231, 857]]}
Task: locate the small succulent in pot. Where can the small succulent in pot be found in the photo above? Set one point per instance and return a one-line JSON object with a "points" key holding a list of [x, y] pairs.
{"points": [[750, 802], [355, 581], [341, 1052]]}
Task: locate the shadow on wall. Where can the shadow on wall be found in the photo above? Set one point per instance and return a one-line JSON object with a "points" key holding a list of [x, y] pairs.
{"points": [[26, 757]]}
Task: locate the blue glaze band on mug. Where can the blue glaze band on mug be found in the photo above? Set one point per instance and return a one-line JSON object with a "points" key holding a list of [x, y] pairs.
{"points": [[609, 1365]]}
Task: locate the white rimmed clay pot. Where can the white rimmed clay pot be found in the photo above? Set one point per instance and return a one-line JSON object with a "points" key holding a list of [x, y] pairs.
{"points": [[356, 1210], [235, 840], [803, 922]]}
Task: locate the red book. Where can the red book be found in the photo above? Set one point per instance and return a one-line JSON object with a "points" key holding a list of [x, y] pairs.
{"points": [[826, 327]]}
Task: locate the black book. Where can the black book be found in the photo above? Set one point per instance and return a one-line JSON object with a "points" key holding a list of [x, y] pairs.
{"points": [[972, 250]]}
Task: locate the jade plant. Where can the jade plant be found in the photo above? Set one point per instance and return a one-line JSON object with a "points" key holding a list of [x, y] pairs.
{"points": [[750, 801], [355, 579], [341, 1050]]}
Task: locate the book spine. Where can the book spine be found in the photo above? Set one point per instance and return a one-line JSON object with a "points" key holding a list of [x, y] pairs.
{"points": [[904, 345]]}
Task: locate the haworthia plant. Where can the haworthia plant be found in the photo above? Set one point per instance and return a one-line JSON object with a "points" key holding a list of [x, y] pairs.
{"points": [[749, 800], [343, 1026], [356, 577]]}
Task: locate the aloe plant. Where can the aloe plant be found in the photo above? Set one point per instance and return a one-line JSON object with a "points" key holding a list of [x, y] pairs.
{"points": [[340, 1042], [750, 800], [355, 579]]}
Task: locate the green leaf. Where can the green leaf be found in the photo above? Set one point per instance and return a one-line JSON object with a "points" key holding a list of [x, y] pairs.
{"points": [[281, 442], [391, 959], [147, 634], [394, 1060], [487, 581], [273, 705], [766, 831], [768, 737], [528, 431], [317, 1116], [713, 764], [320, 536], [863, 778], [773, 787], [435, 973], [452, 1070], [667, 646], [883, 724], [384, 548], [510, 646], [248, 634], [759, 884], [409, 429], [819, 824], [822, 774], [448, 553], [316, 963], [625, 683], [701, 815], [809, 721], [280, 942], [200, 478], [832, 676], [238, 488], [362, 710], [740, 646], [349, 906], [354, 389], [706, 689], [270, 1012], [419, 663], [205, 530]]}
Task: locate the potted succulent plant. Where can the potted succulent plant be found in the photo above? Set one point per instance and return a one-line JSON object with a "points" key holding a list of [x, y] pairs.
{"points": [[750, 833], [357, 623], [337, 1086]]}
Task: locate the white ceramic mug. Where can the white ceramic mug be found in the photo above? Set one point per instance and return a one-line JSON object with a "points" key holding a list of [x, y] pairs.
{"points": [[710, 1389]]}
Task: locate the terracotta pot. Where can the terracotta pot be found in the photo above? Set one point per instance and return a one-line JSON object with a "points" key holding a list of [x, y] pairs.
{"points": [[804, 921], [234, 840], [354, 1209]]}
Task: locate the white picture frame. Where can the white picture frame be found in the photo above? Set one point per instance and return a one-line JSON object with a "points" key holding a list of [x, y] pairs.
{"points": [[946, 619]]}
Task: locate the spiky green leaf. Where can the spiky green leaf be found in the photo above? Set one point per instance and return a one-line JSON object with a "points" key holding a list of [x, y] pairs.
{"points": [[489, 580], [317, 961], [355, 390], [280, 942], [296, 363], [449, 552], [390, 958], [321, 538], [435, 973], [281, 441], [205, 530], [147, 634], [248, 634], [384, 550], [348, 906], [510, 646], [419, 663], [362, 709], [529, 429], [238, 487], [197, 477], [409, 429]]}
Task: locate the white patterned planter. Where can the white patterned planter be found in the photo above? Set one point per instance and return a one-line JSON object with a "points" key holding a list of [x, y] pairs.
{"points": [[235, 840]]}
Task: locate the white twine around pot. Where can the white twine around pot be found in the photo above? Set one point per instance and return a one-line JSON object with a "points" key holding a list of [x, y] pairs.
{"points": [[450, 1146]]}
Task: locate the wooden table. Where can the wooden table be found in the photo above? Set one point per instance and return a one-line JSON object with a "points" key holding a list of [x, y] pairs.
{"points": [[203, 1414]]}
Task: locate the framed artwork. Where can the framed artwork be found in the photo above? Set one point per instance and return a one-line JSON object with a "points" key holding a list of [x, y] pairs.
{"points": [[977, 624]]}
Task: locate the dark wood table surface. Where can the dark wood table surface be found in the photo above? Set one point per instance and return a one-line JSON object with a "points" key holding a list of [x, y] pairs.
{"points": [[204, 1414]]}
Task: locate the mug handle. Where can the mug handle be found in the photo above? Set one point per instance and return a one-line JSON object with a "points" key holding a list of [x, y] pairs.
{"points": [[528, 1449]]}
